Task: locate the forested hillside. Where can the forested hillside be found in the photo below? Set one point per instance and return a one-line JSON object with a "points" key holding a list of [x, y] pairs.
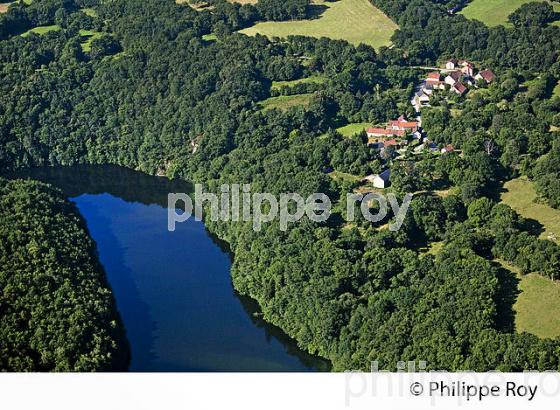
{"points": [[154, 85], [56, 310]]}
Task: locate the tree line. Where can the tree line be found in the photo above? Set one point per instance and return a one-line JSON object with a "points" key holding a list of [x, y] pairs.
{"points": [[57, 312]]}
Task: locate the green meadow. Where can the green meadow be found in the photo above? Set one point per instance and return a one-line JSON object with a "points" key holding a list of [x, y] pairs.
{"points": [[495, 12], [41, 30], [285, 102], [520, 195], [89, 12], [354, 128], [556, 91], [88, 36], [356, 21], [314, 79], [537, 306]]}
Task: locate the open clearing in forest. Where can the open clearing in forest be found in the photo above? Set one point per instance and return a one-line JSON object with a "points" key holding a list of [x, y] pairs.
{"points": [[356, 21], [537, 308], [88, 36], [41, 30], [353, 128], [314, 79], [556, 91], [495, 12], [285, 102], [520, 195]]}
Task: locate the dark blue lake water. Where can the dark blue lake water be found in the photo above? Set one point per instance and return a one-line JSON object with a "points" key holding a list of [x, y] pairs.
{"points": [[173, 289]]}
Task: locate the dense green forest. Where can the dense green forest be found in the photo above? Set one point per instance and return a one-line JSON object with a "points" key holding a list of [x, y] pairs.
{"points": [[56, 311], [152, 85]]}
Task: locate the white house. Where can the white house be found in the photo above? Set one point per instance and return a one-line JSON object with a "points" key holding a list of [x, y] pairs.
{"points": [[417, 135], [382, 180], [467, 68], [453, 78], [451, 64], [421, 98], [486, 75]]}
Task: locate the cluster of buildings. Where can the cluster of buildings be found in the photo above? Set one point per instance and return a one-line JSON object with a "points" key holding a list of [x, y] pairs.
{"points": [[394, 133], [456, 75]]}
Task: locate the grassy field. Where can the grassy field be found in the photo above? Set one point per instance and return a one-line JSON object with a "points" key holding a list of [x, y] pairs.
{"points": [[356, 21], [354, 128], [495, 12], [537, 308], [41, 30], [285, 102], [316, 79], [520, 195], [89, 12], [209, 37], [88, 36], [556, 91], [343, 176]]}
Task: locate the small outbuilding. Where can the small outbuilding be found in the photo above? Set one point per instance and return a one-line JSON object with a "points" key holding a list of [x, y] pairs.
{"points": [[382, 180]]}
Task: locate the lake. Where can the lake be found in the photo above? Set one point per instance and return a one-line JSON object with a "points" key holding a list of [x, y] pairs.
{"points": [[173, 289]]}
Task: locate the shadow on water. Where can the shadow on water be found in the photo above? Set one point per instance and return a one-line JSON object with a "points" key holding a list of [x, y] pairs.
{"points": [[272, 332], [139, 325], [124, 183], [193, 320]]}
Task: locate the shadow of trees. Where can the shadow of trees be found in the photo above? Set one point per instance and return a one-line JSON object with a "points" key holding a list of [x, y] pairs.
{"points": [[505, 299]]}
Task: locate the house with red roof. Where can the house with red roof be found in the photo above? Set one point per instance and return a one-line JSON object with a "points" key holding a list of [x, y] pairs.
{"points": [[486, 75], [390, 143], [403, 125], [459, 89], [453, 78], [384, 132], [433, 80]]}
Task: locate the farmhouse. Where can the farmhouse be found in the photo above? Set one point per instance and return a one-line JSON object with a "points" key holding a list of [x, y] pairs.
{"points": [[451, 64], [382, 180], [403, 125], [433, 79], [467, 68], [453, 78], [459, 88], [383, 132], [390, 143], [421, 99], [486, 75]]}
